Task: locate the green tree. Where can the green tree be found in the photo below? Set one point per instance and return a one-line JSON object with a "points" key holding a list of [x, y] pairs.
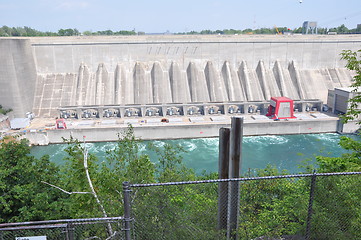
{"points": [[23, 196], [68, 32], [247, 30], [341, 192], [273, 207], [353, 64], [358, 29], [74, 179], [170, 165], [124, 163], [4, 110], [342, 29], [350, 161], [87, 33]]}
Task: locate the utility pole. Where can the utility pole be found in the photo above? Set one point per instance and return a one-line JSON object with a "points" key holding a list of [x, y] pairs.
{"points": [[223, 173], [229, 165], [234, 172]]}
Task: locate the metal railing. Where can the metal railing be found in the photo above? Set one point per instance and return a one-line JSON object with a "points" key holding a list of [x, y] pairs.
{"points": [[69, 229]]}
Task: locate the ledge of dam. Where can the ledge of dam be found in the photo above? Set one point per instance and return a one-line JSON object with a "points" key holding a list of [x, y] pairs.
{"points": [[45, 74], [152, 128]]}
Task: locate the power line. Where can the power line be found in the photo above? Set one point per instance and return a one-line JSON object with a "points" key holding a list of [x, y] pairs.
{"points": [[355, 14]]}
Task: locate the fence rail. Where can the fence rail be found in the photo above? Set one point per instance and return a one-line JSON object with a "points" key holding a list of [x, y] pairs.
{"points": [[67, 229]]}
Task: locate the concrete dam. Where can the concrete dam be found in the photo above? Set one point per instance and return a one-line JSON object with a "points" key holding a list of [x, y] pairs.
{"points": [[40, 75]]}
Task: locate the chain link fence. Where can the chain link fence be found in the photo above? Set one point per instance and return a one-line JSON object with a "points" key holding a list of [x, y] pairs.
{"points": [[71, 229], [307, 206]]}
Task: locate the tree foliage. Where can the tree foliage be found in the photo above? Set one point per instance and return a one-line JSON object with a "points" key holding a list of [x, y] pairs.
{"points": [[22, 195], [268, 208], [4, 110], [350, 161], [353, 60]]}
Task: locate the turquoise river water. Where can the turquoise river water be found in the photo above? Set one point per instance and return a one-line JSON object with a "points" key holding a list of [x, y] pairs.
{"points": [[282, 151]]}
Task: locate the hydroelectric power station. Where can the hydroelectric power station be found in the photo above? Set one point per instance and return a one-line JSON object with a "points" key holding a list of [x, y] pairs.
{"points": [[144, 79]]}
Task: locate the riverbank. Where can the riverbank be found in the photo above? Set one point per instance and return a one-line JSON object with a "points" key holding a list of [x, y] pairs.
{"points": [[43, 132]]}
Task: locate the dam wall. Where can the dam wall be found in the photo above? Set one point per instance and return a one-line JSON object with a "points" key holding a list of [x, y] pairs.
{"points": [[17, 75], [77, 71], [65, 54]]}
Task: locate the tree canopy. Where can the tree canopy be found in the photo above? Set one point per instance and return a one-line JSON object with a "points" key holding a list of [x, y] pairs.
{"points": [[4, 110], [22, 195]]}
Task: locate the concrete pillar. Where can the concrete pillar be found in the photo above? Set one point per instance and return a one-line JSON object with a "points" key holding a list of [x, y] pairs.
{"points": [[179, 84], [232, 83], [283, 78], [250, 83], [82, 74], [123, 86], [197, 83], [164, 111], [79, 113], [101, 112], [161, 85], [205, 110], [216, 86], [267, 82], [101, 79], [122, 112], [143, 90], [296, 78], [143, 111]]}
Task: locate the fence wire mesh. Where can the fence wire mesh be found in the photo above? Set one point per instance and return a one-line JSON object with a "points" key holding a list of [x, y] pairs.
{"points": [[308, 206], [94, 228]]}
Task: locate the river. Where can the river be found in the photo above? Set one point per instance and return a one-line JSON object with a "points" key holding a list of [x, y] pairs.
{"points": [[285, 152]]}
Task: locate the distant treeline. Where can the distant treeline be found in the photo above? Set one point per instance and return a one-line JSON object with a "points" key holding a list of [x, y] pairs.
{"points": [[6, 31], [281, 30]]}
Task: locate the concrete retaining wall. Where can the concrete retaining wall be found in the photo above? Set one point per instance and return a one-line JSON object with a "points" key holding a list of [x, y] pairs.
{"points": [[167, 131]]}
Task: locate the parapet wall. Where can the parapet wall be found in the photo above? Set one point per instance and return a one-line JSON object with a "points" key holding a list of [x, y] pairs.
{"points": [[174, 69]]}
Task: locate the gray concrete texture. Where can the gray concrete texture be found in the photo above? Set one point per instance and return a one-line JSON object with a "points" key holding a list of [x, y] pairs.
{"points": [[17, 75], [179, 131], [43, 74]]}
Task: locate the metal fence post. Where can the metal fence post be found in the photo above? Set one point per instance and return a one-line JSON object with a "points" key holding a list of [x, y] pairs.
{"points": [[223, 173], [126, 201], [70, 231], [310, 203], [234, 172]]}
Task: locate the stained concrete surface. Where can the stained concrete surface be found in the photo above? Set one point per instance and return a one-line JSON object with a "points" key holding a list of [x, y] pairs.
{"points": [[42, 74]]}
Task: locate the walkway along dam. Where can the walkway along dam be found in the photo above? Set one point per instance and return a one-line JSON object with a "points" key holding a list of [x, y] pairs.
{"points": [[129, 73]]}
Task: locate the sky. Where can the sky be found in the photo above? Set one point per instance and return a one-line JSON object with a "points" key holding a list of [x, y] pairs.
{"points": [[158, 16]]}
